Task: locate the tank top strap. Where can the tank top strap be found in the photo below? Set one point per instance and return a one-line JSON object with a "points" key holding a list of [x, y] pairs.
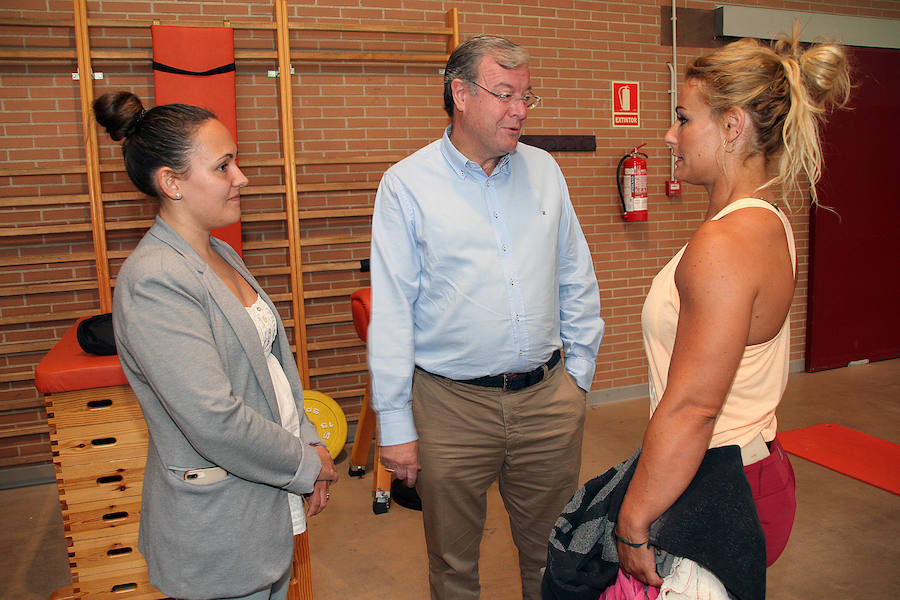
{"points": [[745, 203], [759, 203]]}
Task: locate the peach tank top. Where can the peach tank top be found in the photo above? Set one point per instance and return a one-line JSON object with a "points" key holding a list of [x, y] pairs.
{"points": [[761, 377]]}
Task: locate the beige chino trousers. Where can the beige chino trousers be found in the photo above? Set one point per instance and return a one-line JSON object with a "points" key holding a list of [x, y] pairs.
{"points": [[471, 436]]}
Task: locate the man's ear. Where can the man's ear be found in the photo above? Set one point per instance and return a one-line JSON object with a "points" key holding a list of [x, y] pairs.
{"points": [[459, 93], [167, 181]]}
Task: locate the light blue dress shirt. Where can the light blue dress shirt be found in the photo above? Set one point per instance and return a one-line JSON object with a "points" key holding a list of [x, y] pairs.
{"points": [[475, 275]]}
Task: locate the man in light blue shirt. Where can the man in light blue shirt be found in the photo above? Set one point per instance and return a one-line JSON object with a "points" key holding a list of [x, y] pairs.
{"points": [[480, 276]]}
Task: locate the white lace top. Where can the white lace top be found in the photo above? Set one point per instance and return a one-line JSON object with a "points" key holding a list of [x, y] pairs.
{"points": [[264, 319]]}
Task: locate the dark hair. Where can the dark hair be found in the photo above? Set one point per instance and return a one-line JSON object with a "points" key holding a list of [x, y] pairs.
{"points": [[155, 138], [465, 59]]}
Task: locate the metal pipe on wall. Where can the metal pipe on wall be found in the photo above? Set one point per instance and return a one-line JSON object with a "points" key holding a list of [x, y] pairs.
{"points": [[673, 84]]}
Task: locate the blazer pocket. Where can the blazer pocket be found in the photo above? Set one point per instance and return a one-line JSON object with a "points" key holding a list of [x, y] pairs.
{"points": [[200, 476]]}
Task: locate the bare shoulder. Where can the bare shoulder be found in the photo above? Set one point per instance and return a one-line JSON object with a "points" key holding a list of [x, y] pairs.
{"points": [[736, 250], [762, 234], [729, 249], [714, 247]]}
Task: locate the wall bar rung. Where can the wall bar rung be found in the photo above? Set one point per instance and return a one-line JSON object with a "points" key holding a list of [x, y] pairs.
{"points": [[355, 342], [47, 288], [350, 265], [329, 293], [42, 318], [51, 259], [49, 200], [22, 347], [328, 240], [43, 229], [329, 319], [337, 370]]}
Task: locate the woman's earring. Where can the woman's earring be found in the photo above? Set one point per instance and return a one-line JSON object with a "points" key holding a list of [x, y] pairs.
{"points": [[729, 146], [178, 195]]}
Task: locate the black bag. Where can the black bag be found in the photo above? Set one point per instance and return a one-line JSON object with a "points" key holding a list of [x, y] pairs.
{"points": [[95, 335]]}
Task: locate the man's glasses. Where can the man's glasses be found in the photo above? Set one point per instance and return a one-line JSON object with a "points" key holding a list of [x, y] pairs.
{"points": [[529, 99]]}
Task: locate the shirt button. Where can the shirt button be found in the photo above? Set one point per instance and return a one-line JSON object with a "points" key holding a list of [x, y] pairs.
{"points": [[517, 316], [496, 215], [511, 282], [504, 247]]}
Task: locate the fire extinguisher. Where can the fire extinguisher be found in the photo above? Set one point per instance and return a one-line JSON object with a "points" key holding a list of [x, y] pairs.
{"points": [[632, 183]]}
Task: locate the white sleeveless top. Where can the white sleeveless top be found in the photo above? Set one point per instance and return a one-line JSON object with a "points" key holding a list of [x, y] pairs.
{"points": [[264, 319], [762, 374]]}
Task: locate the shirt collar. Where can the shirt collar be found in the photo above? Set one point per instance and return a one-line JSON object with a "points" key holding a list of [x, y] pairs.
{"points": [[462, 165]]}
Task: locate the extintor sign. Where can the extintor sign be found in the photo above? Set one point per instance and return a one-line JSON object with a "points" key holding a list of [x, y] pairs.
{"points": [[626, 103]]}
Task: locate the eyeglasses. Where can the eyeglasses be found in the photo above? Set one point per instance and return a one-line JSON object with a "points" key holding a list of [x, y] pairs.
{"points": [[529, 99]]}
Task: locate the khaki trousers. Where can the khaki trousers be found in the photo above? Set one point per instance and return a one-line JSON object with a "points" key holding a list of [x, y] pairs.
{"points": [[471, 436]]}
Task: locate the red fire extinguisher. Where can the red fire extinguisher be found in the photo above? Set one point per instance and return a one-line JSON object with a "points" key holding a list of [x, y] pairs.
{"points": [[631, 176]]}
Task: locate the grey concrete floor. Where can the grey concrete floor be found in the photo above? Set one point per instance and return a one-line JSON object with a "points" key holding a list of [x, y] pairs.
{"points": [[844, 543]]}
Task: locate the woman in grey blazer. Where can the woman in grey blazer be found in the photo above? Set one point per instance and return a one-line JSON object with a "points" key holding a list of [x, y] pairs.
{"points": [[231, 451]]}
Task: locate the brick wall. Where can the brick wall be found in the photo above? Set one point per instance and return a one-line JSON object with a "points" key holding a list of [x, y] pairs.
{"points": [[340, 109]]}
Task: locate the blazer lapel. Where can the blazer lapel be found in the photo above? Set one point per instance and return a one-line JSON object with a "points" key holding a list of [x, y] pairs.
{"points": [[246, 333], [281, 349], [229, 305]]}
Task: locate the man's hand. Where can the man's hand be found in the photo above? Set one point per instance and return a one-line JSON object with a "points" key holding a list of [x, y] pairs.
{"points": [[403, 461]]}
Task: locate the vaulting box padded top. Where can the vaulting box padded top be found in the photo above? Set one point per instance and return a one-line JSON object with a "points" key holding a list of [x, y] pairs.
{"points": [[67, 368]]}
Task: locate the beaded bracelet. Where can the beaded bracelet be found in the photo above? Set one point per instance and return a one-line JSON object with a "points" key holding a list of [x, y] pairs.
{"points": [[627, 543]]}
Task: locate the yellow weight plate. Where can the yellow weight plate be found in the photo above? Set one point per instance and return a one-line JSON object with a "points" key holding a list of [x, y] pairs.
{"points": [[329, 419]]}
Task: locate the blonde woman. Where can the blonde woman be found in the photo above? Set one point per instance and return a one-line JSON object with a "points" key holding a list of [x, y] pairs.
{"points": [[715, 322]]}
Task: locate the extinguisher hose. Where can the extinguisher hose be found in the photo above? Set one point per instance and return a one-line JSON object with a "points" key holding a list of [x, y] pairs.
{"points": [[619, 182]]}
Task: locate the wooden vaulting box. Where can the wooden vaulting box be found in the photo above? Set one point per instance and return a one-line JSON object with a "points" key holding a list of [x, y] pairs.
{"points": [[99, 443], [98, 439]]}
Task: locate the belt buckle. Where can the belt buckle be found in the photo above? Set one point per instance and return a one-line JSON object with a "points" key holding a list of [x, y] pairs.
{"points": [[510, 378]]}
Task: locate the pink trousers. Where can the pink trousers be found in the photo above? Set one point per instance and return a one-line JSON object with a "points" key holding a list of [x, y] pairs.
{"points": [[774, 491]]}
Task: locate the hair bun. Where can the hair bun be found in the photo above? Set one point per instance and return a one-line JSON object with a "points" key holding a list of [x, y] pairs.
{"points": [[827, 75], [119, 113]]}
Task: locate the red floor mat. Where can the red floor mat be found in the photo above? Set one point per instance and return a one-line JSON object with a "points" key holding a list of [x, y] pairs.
{"points": [[859, 455]]}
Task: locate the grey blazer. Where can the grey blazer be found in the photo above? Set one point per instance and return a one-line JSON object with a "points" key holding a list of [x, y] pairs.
{"points": [[194, 359]]}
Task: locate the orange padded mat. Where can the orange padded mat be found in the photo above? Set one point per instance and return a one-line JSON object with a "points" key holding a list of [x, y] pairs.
{"points": [[195, 65], [67, 368], [859, 455]]}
